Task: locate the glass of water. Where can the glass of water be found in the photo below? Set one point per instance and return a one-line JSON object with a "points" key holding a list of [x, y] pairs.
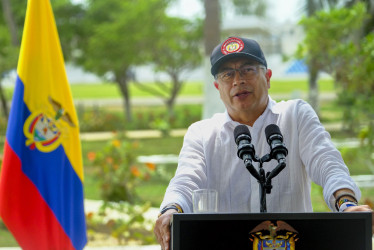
{"points": [[205, 201]]}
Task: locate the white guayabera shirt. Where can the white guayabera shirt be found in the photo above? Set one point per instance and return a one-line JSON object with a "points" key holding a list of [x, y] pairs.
{"points": [[208, 159]]}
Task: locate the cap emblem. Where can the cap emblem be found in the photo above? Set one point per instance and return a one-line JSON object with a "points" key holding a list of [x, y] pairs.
{"points": [[232, 45]]}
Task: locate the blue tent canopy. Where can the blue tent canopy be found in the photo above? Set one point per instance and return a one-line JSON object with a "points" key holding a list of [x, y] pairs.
{"points": [[297, 67]]}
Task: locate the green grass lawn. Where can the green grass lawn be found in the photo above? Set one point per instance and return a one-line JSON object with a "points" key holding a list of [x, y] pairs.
{"points": [[330, 112], [6, 238], [111, 90], [288, 86]]}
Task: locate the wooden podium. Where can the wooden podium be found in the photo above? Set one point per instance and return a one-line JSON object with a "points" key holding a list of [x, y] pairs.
{"points": [[275, 231]]}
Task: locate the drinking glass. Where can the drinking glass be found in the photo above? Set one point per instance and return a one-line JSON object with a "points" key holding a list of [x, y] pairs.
{"points": [[205, 201]]}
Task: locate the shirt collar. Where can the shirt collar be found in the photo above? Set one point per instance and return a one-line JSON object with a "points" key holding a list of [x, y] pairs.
{"points": [[276, 108], [271, 106]]}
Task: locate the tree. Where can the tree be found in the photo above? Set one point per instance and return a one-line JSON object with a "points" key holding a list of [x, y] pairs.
{"points": [[313, 6], [8, 60], [119, 35], [69, 17], [177, 52], [343, 53], [12, 17], [247, 7], [10, 21], [9, 43]]}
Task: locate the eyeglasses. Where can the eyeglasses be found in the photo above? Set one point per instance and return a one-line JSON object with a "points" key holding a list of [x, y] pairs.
{"points": [[247, 72]]}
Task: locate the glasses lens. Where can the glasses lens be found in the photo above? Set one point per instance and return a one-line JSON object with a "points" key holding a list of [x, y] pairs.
{"points": [[227, 75], [246, 72]]}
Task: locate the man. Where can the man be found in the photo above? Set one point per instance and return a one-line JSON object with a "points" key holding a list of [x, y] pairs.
{"points": [[208, 158]]}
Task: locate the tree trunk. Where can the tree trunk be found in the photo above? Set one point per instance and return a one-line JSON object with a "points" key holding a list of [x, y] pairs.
{"points": [[369, 24], [212, 37], [212, 29], [170, 107], [313, 88], [313, 69], [4, 105], [9, 19], [123, 85], [170, 102]]}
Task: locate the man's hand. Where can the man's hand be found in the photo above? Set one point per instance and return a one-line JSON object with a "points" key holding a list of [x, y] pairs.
{"points": [[363, 208], [162, 229]]}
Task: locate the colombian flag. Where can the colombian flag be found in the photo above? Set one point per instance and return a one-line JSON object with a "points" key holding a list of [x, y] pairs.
{"points": [[41, 179]]}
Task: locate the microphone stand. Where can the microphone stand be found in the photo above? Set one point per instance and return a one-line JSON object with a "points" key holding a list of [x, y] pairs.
{"points": [[263, 179]]}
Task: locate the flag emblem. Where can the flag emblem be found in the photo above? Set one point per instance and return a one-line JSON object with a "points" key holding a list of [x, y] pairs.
{"points": [[42, 131]]}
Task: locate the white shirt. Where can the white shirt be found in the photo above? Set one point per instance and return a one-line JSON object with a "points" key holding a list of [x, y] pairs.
{"points": [[208, 159]]}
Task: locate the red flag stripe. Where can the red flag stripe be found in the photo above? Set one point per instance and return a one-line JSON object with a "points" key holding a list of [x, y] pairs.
{"points": [[26, 209]]}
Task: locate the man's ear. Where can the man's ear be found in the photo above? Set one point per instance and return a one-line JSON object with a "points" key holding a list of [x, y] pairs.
{"points": [[216, 84], [269, 73]]}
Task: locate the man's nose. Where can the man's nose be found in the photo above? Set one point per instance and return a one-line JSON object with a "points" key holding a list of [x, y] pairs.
{"points": [[238, 77]]}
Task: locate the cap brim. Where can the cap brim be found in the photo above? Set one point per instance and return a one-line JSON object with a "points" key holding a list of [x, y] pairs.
{"points": [[223, 59]]}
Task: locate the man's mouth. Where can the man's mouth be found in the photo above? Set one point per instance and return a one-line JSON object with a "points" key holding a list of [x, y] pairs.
{"points": [[242, 93]]}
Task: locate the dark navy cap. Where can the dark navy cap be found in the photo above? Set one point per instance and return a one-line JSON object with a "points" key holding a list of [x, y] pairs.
{"points": [[236, 47]]}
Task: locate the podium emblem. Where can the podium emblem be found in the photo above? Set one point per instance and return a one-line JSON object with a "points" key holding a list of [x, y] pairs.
{"points": [[270, 236]]}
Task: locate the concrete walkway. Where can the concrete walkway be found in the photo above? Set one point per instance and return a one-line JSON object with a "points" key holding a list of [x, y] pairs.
{"points": [[133, 134]]}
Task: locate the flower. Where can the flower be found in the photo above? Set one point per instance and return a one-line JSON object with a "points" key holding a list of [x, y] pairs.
{"points": [[90, 215], [91, 156], [116, 143], [109, 160], [151, 166], [135, 171]]}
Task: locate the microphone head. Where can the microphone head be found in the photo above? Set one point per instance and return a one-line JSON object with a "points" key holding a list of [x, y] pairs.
{"points": [[241, 130], [272, 129]]}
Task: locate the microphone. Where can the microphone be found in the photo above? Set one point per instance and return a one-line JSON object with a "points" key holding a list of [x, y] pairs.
{"points": [[274, 138], [243, 139], [246, 150]]}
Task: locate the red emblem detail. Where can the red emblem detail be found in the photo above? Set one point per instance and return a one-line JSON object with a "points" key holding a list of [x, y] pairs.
{"points": [[232, 45]]}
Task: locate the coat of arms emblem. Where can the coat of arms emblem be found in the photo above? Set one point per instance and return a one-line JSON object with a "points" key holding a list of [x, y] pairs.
{"points": [[43, 131], [269, 236]]}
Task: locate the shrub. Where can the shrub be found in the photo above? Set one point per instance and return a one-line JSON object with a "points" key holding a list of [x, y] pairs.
{"points": [[129, 224], [155, 117], [117, 170], [119, 174], [96, 119]]}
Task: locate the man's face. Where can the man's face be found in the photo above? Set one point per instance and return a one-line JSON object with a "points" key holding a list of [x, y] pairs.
{"points": [[244, 91]]}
